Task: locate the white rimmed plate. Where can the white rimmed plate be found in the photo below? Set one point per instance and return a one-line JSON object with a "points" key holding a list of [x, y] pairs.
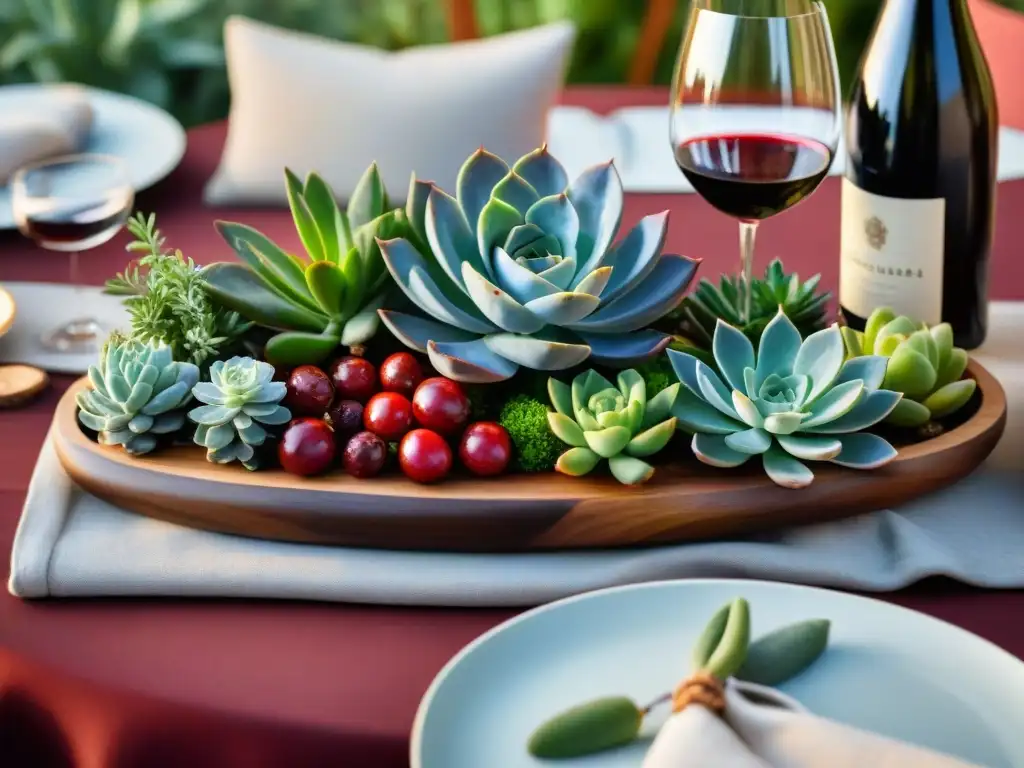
{"points": [[150, 141], [887, 669]]}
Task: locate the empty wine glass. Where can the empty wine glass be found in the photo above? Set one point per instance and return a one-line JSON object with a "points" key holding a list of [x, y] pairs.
{"points": [[71, 204], [755, 110]]}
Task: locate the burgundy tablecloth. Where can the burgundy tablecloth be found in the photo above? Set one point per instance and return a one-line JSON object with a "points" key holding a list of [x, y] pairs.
{"points": [[146, 684]]}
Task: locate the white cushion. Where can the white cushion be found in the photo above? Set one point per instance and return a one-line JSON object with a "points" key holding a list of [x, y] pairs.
{"points": [[309, 103]]}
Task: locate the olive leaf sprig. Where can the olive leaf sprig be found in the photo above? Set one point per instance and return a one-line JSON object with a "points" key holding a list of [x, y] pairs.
{"points": [[722, 650]]}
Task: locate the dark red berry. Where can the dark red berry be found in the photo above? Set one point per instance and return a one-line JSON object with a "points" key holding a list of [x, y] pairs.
{"points": [[441, 405], [402, 373], [389, 415], [485, 448], [306, 447], [424, 456], [346, 417], [364, 455], [309, 391], [354, 378]]}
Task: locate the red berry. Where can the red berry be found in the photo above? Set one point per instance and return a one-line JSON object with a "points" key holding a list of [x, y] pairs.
{"points": [[346, 417], [485, 448], [401, 373], [441, 405], [389, 415], [355, 378], [308, 391], [307, 447], [364, 455], [424, 456]]}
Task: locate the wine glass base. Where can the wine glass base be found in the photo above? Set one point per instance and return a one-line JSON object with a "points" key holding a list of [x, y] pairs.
{"points": [[76, 337]]}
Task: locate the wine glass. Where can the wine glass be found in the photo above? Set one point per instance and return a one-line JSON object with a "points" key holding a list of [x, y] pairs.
{"points": [[71, 204], [755, 110]]}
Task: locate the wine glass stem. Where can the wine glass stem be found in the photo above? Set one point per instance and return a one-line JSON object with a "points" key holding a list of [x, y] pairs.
{"points": [[73, 270], [748, 231]]}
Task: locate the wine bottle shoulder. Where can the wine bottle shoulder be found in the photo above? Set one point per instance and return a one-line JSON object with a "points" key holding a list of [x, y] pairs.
{"points": [[922, 115]]}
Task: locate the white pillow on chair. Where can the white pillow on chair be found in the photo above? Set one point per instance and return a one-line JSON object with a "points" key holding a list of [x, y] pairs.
{"points": [[310, 103]]}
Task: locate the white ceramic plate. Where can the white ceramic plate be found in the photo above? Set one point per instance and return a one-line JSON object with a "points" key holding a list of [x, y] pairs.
{"points": [[887, 669], [151, 142]]}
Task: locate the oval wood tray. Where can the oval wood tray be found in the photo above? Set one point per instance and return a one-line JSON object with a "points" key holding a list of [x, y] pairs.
{"points": [[684, 501]]}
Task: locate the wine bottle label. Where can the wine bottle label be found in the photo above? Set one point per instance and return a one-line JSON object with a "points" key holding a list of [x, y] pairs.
{"points": [[891, 254]]}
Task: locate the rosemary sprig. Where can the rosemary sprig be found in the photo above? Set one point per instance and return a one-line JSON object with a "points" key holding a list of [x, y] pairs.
{"points": [[165, 299]]}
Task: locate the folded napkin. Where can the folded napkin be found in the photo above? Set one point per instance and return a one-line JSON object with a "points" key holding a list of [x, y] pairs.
{"points": [[763, 728], [44, 306], [43, 123], [309, 103]]}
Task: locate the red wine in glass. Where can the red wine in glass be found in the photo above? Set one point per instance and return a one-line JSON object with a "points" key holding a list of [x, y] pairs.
{"points": [[755, 111], [752, 176], [78, 228], [72, 204]]}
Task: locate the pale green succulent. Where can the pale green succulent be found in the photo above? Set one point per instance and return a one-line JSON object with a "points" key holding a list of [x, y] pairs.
{"points": [[138, 393], [923, 365], [240, 400], [519, 269], [794, 400], [330, 296], [603, 421]]}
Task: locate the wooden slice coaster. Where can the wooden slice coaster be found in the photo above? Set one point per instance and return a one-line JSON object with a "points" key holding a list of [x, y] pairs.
{"points": [[20, 383]]}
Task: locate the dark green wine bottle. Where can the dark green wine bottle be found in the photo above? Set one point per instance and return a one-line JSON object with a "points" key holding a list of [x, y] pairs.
{"points": [[919, 189]]}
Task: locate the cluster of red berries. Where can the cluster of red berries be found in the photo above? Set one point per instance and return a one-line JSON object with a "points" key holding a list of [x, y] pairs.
{"points": [[355, 408]]}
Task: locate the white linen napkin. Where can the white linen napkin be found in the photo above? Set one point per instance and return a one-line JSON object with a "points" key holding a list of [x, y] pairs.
{"points": [[41, 307], [763, 728], [40, 124]]}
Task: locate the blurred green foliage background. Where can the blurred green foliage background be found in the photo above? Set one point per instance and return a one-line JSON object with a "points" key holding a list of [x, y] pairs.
{"points": [[169, 51]]}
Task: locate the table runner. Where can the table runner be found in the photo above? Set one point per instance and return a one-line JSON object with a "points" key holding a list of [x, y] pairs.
{"points": [[70, 544]]}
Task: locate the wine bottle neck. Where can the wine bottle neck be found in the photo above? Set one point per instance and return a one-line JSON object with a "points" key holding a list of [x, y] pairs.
{"points": [[956, 8]]}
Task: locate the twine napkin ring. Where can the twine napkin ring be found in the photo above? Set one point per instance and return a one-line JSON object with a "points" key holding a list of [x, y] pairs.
{"points": [[701, 688]]}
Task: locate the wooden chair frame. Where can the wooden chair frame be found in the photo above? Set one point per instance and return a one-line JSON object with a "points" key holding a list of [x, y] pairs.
{"points": [[462, 25]]}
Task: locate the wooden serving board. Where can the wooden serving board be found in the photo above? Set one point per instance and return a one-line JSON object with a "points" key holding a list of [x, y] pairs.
{"points": [[513, 513]]}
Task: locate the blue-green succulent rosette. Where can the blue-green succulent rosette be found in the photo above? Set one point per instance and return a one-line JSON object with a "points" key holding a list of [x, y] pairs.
{"points": [[794, 401], [519, 269]]}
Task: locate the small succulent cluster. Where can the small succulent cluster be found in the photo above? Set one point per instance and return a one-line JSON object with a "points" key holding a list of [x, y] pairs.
{"points": [[239, 402], [603, 421], [138, 394], [923, 364], [518, 269], [332, 297], [800, 301], [795, 400]]}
